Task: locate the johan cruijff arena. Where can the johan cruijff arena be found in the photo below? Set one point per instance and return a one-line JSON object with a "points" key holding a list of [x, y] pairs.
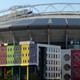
{"points": [[40, 42]]}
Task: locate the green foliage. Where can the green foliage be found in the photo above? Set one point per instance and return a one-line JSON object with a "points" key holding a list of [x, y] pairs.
{"points": [[8, 75], [34, 76]]}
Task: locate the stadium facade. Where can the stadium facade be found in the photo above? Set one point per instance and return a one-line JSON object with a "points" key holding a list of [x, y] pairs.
{"points": [[56, 51]]}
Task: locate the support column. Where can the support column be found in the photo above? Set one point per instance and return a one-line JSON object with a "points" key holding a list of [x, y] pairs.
{"points": [[27, 72], [66, 36], [4, 71], [35, 69], [12, 71], [48, 37], [19, 73], [35, 72], [66, 33]]}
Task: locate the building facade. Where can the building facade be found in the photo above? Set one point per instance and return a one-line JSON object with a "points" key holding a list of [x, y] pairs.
{"points": [[25, 59], [66, 64]]}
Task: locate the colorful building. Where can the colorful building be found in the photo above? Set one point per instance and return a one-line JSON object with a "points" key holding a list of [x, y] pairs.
{"points": [[25, 59]]}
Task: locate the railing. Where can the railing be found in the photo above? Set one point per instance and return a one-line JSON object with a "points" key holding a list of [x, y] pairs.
{"points": [[41, 9]]}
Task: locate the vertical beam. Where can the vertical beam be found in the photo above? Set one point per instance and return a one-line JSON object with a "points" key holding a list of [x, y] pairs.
{"points": [[35, 72], [66, 31], [4, 71], [12, 71], [50, 21], [13, 41], [48, 37], [27, 72], [29, 32], [19, 73]]}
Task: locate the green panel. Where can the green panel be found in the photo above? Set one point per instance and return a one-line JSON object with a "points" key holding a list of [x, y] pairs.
{"points": [[17, 55], [10, 55], [12, 71]]}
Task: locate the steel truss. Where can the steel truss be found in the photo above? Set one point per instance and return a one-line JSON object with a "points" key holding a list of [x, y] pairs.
{"points": [[41, 9]]}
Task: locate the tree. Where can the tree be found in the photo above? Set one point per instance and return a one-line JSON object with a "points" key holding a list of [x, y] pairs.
{"points": [[8, 75], [34, 76]]}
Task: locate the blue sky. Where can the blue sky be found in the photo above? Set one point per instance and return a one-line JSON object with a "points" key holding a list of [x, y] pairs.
{"points": [[5, 4]]}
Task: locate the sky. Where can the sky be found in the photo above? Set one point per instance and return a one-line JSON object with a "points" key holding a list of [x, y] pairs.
{"points": [[5, 4]]}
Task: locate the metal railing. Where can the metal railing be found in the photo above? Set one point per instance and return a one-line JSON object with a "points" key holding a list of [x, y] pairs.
{"points": [[41, 9]]}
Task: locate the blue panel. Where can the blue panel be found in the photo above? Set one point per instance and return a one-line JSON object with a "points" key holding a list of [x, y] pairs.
{"points": [[73, 21], [42, 21], [25, 22], [8, 23], [58, 21], [33, 53]]}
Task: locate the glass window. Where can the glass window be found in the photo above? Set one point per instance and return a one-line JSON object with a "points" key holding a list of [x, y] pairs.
{"points": [[54, 74], [49, 74], [54, 68], [67, 77], [49, 68], [49, 55], [66, 57], [51, 61], [54, 62], [58, 74], [26, 54], [67, 67], [54, 55]]}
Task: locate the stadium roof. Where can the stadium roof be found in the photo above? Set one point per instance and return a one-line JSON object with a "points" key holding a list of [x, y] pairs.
{"points": [[41, 29], [41, 22]]}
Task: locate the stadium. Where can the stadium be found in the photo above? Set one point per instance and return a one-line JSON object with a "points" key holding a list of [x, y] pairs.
{"points": [[35, 29]]}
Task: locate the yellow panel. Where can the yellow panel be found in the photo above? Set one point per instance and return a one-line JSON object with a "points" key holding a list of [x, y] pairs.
{"points": [[25, 55], [27, 72]]}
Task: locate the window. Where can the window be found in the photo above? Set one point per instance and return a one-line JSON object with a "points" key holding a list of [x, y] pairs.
{"points": [[11, 62], [32, 48], [49, 74], [54, 49], [67, 77], [67, 67], [54, 68], [54, 55], [25, 61], [26, 54], [10, 49], [51, 61], [24, 48], [56, 74], [54, 62], [49, 55], [58, 68], [66, 57], [49, 68]]}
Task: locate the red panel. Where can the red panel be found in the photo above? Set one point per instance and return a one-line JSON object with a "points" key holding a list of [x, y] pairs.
{"points": [[75, 64], [3, 56]]}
